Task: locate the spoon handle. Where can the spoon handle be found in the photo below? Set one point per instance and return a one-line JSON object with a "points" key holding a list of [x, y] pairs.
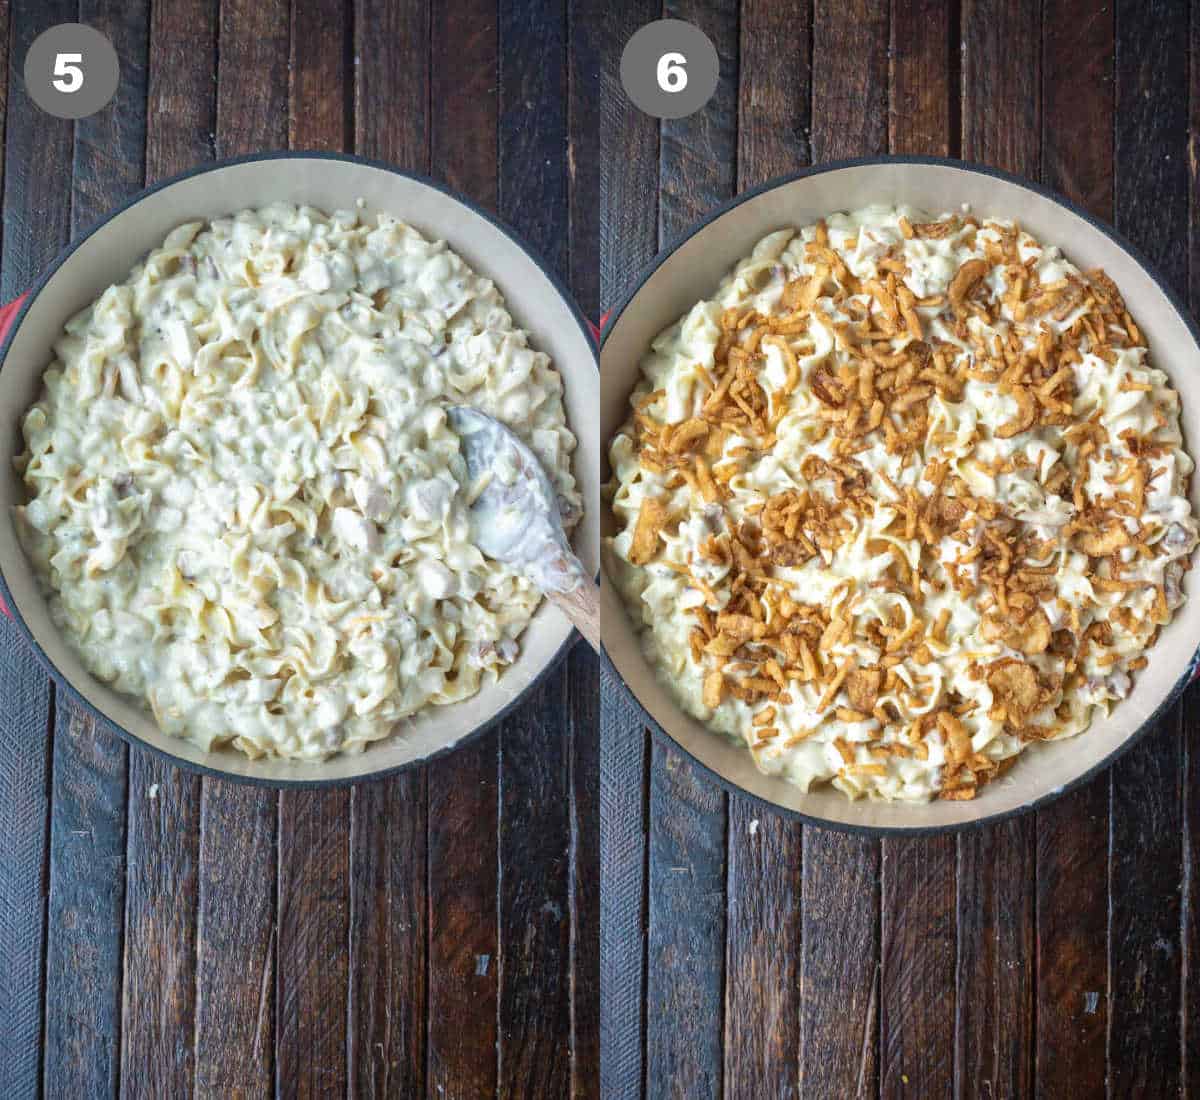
{"points": [[582, 606]]}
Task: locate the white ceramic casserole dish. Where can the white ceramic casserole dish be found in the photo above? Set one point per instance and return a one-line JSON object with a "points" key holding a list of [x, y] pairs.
{"points": [[691, 270], [103, 256]]}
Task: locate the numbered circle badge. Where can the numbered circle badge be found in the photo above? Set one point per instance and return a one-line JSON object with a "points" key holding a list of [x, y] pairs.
{"points": [[669, 68], [71, 71]]}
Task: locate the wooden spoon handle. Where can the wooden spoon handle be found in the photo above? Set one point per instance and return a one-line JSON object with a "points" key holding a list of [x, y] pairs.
{"points": [[582, 606]]}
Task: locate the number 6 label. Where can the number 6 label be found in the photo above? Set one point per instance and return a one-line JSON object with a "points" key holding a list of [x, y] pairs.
{"points": [[71, 71], [672, 76], [669, 68]]}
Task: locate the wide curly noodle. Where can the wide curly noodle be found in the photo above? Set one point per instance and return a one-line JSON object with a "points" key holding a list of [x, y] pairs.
{"points": [[904, 497], [244, 498]]}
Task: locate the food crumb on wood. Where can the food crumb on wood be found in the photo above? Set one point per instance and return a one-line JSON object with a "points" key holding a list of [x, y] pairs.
{"points": [[152, 792], [481, 965], [754, 826], [1090, 1001]]}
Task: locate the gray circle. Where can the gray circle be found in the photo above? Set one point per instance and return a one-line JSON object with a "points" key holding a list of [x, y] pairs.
{"points": [[71, 71], [669, 68]]}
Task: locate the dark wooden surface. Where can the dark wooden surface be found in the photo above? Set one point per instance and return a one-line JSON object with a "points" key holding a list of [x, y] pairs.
{"points": [[1057, 955], [431, 935]]}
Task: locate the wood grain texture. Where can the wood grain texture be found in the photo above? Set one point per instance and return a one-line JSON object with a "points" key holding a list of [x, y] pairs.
{"points": [[839, 1020], [25, 740], [774, 89], [1072, 833], [1189, 1012], [181, 110], [322, 89], [85, 910], [312, 963], [686, 938], [763, 951], [393, 83], [388, 940], [994, 1041], [583, 690], [1147, 822], [923, 93], [235, 982], [158, 1009], [850, 92], [629, 168]]}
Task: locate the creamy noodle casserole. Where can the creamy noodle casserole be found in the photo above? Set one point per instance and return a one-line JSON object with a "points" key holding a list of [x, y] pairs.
{"points": [[903, 498], [245, 501]]}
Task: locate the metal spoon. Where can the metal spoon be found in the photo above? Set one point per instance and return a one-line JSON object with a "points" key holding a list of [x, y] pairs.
{"points": [[515, 518]]}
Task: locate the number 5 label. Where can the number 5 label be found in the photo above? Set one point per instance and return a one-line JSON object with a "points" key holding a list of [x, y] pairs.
{"points": [[68, 72], [669, 68], [71, 71]]}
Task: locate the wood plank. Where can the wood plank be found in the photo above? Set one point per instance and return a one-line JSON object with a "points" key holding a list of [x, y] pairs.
{"points": [[774, 89], [322, 114], [850, 95], [1072, 833], [1147, 814], [158, 1000], [918, 926], [624, 773], [686, 937], [463, 789], [629, 166], [534, 824], [840, 960], [765, 851], [392, 78], [390, 967], [994, 1040], [763, 1004], [85, 918], [994, 1013], [688, 814], [923, 93], [235, 985], [25, 740], [312, 966], [839, 1020], [1190, 993], [583, 695], [85, 922], [386, 1052], [584, 157]]}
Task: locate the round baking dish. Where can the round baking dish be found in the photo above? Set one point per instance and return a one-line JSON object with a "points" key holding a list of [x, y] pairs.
{"points": [[690, 270], [535, 297]]}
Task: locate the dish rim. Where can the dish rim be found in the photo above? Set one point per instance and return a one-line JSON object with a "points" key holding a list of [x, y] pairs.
{"points": [[63, 257], [1169, 699]]}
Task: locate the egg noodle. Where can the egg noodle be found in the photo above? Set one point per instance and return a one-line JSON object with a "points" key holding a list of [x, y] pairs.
{"points": [[905, 497], [245, 501]]}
